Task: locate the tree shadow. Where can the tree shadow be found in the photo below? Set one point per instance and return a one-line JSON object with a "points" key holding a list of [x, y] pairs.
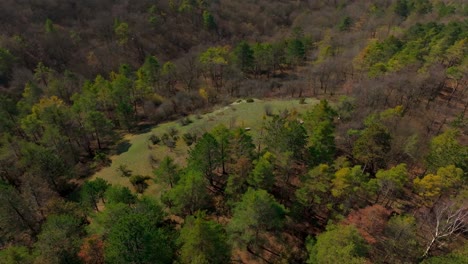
{"points": [[123, 147], [144, 128]]}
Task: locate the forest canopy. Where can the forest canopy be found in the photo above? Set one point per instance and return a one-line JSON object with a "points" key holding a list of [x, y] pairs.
{"points": [[255, 131]]}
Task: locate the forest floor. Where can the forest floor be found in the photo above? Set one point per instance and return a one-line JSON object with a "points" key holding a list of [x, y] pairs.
{"points": [[140, 156]]}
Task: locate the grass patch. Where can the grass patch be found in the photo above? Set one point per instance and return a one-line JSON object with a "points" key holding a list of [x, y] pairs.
{"points": [[141, 154]]}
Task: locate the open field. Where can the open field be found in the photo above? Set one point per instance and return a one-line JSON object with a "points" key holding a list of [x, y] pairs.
{"points": [[138, 151]]}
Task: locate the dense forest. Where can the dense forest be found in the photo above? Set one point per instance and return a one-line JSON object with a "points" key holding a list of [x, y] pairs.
{"points": [[375, 171]]}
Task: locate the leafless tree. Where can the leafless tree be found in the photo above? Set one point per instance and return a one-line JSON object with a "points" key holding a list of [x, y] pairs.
{"points": [[446, 219]]}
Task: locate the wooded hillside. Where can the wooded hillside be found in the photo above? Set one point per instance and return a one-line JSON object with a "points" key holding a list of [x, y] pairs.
{"points": [[375, 172]]}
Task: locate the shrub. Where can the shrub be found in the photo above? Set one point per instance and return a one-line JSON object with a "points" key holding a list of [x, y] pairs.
{"points": [[139, 182], [268, 110], [124, 171], [189, 138], [185, 121], [154, 139], [250, 100]]}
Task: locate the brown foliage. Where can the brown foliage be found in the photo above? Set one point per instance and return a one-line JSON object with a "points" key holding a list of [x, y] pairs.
{"points": [[369, 221], [92, 250]]}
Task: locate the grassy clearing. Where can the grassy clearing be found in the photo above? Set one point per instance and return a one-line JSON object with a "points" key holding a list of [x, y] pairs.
{"points": [[139, 151]]}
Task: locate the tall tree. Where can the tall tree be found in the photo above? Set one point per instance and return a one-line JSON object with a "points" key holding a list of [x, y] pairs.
{"points": [[60, 239], [205, 156], [16, 255], [136, 238], [223, 136], [348, 184], [119, 194], [16, 216], [257, 213], [432, 186], [189, 194], [316, 186], [372, 146], [214, 61], [93, 191], [263, 176], [203, 241], [338, 244], [389, 183], [445, 150], [6, 65], [320, 130], [401, 242], [244, 56], [167, 172], [285, 133]]}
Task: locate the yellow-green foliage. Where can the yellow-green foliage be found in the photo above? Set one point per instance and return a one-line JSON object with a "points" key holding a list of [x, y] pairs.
{"points": [[431, 185]]}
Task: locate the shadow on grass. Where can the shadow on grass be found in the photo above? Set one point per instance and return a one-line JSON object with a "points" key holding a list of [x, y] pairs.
{"points": [[144, 128], [123, 147]]}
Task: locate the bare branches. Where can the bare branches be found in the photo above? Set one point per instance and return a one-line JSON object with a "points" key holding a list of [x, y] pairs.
{"points": [[447, 219]]}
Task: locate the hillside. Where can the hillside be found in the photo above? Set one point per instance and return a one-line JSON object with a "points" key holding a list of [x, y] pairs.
{"points": [[129, 132]]}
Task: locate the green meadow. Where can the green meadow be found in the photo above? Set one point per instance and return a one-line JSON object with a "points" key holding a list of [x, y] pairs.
{"points": [[140, 155]]}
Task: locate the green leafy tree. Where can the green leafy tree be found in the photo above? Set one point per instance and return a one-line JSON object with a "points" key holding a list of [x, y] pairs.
{"points": [[121, 96], [16, 216], [263, 176], [93, 191], [389, 183], [214, 62], [295, 51], [345, 23], [257, 213], [46, 164], [203, 241], [458, 256], [169, 77], [296, 47], [401, 242], [189, 194], [320, 130], [285, 134], [244, 56], [119, 194], [240, 145], [445, 149], [101, 127], [338, 244], [208, 21], [16, 255], [422, 6], [49, 26], [432, 186], [122, 31], [59, 240], [148, 76], [6, 65], [205, 156], [348, 185], [167, 172], [316, 186], [237, 183], [263, 58], [402, 8], [223, 137], [372, 146], [136, 236]]}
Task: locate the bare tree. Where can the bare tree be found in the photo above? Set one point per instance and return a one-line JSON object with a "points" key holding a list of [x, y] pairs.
{"points": [[446, 219]]}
